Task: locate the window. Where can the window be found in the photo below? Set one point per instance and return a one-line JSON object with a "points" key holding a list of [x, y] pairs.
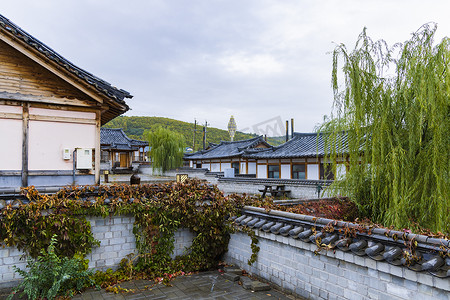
{"points": [[273, 171], [326, 172], [298, 171], [198, 166], [104, 156], [235, 166]]}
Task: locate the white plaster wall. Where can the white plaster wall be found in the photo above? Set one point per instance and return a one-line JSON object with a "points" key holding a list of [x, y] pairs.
{"points": [[340, 171], [224, 166], [285, 172], [215, 167], [262, 171], [11, 148], [312, 171], [252, 168], [48, 139], [243, 169]]}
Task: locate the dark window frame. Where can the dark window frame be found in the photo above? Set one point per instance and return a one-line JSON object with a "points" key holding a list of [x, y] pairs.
{"points": [[295, 173], [271, 173]]}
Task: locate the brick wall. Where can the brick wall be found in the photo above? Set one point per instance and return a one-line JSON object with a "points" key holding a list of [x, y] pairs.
{"points": [[116, 242], [297, 191], [292, 265]]}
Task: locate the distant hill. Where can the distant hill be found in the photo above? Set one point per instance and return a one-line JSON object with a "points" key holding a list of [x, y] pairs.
{"points": [[135, 127]]}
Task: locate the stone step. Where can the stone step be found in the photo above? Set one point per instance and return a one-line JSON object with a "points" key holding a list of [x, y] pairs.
{"points": [[246, 282], [233, 270], [259, 286], [231, 276]]}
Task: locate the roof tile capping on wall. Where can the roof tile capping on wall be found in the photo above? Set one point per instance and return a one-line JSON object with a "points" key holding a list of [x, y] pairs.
{"points": [[345, 270]]}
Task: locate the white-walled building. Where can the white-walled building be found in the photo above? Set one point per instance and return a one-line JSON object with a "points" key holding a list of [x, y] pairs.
{"points": [[302, 157], [227, 155], [50, 112]]}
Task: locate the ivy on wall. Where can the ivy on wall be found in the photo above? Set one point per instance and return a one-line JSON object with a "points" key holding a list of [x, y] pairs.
{"points": [[159, 210]]}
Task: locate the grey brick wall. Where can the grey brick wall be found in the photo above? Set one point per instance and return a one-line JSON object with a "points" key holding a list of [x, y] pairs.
{"points": [[9, 257], [116, 242], [292, 265], [183, 239], [297, 191]]}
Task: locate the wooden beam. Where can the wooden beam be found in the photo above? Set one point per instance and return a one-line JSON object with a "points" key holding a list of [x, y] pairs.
{"points": [[62, 119], [97, 148], [44, 99], [25, 132], [10, 116]]}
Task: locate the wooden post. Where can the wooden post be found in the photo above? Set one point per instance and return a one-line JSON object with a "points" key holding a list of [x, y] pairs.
{"points": [[25, 130], [97, 148]]}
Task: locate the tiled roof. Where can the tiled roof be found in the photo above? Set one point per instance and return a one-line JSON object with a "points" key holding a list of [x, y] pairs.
{"points": [[393, 247], [227, 149], [106, 88], [301, 145], [115, 138]]}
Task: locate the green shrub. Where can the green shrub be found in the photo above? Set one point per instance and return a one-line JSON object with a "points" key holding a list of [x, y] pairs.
{"points": [[50, 275]]}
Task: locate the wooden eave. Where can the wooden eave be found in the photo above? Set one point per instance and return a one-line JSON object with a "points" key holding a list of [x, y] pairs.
{"points": [[109, 108]]}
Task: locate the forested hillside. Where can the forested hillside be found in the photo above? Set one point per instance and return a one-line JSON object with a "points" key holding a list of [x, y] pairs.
{"points": [[134, 127]]}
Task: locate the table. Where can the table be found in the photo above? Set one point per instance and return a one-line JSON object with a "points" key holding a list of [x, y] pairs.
{"points": [[275, 190]]}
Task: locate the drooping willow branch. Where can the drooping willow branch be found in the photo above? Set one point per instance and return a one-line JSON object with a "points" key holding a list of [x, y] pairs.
{"points": [[394, 106]]}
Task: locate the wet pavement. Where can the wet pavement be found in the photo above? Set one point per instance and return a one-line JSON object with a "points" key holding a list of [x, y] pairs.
{"points": [[205, 285]]}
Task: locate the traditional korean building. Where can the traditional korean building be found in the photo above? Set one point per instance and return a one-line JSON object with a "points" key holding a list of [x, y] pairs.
{"points": [[227, 155], [119, 151], [50, 114], [302, 157]]}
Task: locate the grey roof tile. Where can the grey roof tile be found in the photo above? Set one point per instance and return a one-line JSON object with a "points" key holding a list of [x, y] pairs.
{"points": [[301, 145], [106, 88], [115, 138], [227, 149]]}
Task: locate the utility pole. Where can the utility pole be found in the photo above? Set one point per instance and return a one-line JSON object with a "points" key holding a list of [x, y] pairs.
{"points": [[287, 130], [193, 140], [204, 135], [292, 128]]}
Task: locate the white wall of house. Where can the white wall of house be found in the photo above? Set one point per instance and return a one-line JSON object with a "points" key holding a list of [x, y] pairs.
{"points": [[262, 171], [251, 167], [215, 167], [224, 166], [206, 166], [243, 168], [341, 170], [285, 172], [47, 139], [312, 171], [11, 135]]}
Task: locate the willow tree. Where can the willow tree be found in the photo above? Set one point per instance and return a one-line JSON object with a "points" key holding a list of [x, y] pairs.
{"points": [[166, 149], [394, 105]]}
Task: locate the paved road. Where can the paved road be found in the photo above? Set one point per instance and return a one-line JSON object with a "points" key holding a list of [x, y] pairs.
{"points": [[205, 285]]}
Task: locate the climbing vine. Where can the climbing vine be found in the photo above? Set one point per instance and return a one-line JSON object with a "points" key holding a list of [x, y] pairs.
{"points": [[159, 211]]}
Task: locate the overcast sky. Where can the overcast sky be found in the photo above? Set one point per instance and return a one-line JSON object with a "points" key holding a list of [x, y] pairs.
{"points": [[259, 60]]}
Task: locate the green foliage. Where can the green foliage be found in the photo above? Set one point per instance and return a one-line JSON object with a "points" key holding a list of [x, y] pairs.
{"points": [[159, 210], [31, 227], [166, 149], [395, 108], [255, 249], [135, 127], [49, 275]]}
